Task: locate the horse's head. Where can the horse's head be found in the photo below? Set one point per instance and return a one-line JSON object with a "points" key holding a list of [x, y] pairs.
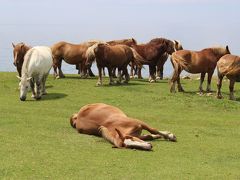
{"points": [[178, 45], [73, 120], [19, 51], [24, 86], [131, 42]]}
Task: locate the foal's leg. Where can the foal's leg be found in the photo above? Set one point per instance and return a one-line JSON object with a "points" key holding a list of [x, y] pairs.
{"points": [[201, 83], [99, 82], [219, 85], [209, 81], [231, 88]]}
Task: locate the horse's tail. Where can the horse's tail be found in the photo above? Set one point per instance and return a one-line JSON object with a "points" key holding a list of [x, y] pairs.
{"points": [[178, 62], [137, 58]]}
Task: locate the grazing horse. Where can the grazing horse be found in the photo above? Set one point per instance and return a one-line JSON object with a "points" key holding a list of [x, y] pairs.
{"points": [[229, 66], [152, 51], [203, 62], [117, 56], [116, 127], [19, 51], [36, 66], [71, 54]]}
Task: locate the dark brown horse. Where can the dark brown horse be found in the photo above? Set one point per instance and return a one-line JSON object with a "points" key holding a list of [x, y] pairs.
{"points": [[19, 51], [116, 127], [136, 72], [229, 66], [117, 56], [203, 62], [152, 51]]}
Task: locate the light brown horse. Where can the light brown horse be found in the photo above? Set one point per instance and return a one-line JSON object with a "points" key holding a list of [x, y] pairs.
{"points": [[116, 127], [117, 56], [203, 62], [229, 66], [152, 51], [71, 54], [19, 51]]}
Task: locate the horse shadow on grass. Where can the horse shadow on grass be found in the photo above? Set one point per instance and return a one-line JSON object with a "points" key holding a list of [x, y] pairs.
{"points": [[53, 96]]}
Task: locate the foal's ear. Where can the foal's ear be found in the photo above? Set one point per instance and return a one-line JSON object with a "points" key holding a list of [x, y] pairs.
{"points": [[13, 45], [19, 78]]}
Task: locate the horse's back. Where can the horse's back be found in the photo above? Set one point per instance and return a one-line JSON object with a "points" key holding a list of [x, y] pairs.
{"points": [[40, 59], [229, 64]]}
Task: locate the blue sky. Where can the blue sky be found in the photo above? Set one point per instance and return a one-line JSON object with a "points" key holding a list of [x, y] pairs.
{"points": [[196, 23]]}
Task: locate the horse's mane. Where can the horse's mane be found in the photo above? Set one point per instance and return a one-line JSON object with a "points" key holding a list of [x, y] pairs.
{"points": [[90, 51], [123, 41], [161, 41], [217, 49]]}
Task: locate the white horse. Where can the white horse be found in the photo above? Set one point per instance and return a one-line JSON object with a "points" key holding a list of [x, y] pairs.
{"points": [[37, 64]]}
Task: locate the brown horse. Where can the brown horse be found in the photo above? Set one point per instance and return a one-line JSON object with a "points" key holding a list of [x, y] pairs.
{"points": [[113, 125], [117, 56], [19, 51], [152, 51], [203, 62], [75, 54], [71, 54], [136, 72], [229, 66]]}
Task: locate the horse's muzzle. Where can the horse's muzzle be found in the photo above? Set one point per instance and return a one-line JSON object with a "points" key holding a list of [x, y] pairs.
{"points": [[15, 64]]}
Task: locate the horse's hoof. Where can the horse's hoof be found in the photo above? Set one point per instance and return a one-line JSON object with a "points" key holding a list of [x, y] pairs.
{"points": [[232, 98], [131, 77], [219, 97], [111, 83], [157, 78], [38, 98], [44, 93], [98, 84], [181, 90], [152, 81]]}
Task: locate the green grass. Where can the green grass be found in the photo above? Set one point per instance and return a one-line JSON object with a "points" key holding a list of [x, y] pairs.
{"points": [[37, 142]]}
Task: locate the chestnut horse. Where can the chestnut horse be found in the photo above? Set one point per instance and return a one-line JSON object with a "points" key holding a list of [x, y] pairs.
{"points": [[117, 56], [19, 51], [203, 62], [116, 127], [71, 54], [152, 51], [75, 54], [229, 66]]}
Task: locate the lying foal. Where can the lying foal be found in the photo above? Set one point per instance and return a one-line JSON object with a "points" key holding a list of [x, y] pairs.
{"points": [[112, 124]]}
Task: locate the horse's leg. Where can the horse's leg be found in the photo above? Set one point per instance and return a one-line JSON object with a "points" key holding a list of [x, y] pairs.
{"points": [[127, 77], [61, 75], [119, 76], [103, 71], [201, 83], [131, 70], [219, 85], [175, 76], [111, 136], [180, 88], [32, 85], [114, 70], [99, 76], [165, 134], [139, 72], [231, 88], [160, 71], [44, 92], [39, 87], [209, 81], [90, 72], [152, 70], [111, 82]]}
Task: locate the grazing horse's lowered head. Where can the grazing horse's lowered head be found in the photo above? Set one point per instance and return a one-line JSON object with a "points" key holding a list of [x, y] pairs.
{"points": [[19, 51], [116, 127], [24, 86]]}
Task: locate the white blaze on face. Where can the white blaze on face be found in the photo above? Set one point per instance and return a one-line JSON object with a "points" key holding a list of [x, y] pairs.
{"points": [[24, 86]]}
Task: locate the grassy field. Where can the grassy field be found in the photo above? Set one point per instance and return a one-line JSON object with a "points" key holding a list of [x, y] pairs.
{"points": [[37, 141]]}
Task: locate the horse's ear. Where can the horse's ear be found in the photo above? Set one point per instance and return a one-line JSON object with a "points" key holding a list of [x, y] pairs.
{"points": [[19, 78], [28, 79], [13, 45], [134, 40], [227, 48], [176, 42]]}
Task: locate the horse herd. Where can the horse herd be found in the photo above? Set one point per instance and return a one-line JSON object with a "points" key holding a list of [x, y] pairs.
{"points": [[34, 63]]}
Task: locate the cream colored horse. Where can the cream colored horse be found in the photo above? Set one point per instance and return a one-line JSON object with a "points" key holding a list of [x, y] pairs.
{"points": [[36, 66]]}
